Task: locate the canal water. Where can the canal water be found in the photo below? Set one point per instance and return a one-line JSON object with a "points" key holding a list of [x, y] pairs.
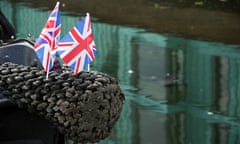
{"points": [[178, 90]]}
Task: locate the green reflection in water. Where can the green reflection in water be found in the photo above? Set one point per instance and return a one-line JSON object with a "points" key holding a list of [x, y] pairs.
{"points": [[178, 91]]}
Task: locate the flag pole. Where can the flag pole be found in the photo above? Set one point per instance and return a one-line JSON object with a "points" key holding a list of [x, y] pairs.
{"points": [[47, 70], [47, 75], [87, 40], [88, 68]]}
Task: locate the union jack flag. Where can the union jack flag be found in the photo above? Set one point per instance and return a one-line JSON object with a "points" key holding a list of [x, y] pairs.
{"points": [[47, 43], [77, 49]]}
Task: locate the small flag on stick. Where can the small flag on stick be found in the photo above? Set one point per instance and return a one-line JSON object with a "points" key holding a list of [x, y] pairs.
{"points": [[47, 43], [77, 48]]}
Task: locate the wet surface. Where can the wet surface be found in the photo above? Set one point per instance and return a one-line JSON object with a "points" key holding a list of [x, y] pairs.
{"points": [[179, 90], [215, 20]]}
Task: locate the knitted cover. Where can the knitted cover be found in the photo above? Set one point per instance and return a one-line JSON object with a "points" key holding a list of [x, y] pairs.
{"points": [[83, 107]]}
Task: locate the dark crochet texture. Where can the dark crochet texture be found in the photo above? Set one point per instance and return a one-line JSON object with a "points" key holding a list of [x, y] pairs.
{"points": [[84, 107]]}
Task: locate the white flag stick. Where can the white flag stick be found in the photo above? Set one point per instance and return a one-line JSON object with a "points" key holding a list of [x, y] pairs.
{"points": [[88, 68], [47, 75]]}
